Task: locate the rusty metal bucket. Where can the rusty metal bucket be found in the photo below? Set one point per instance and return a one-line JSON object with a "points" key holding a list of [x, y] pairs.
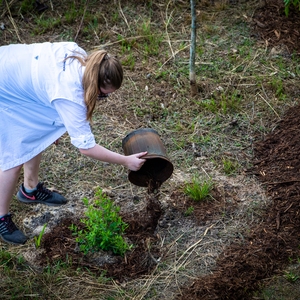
{"points": [[157, 167]]}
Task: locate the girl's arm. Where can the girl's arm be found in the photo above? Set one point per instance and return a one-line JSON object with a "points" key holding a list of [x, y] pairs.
{"points": [[133, 162]]}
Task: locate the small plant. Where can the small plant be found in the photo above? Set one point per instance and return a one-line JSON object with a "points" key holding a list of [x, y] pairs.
{"points": [[291, 277], [129, 61], [230, 103], [5, 258], [27, 6], [229, 166], [189, 211], [198, 190], [37, 240], [152, 41], [287, 4], [103, 227]]}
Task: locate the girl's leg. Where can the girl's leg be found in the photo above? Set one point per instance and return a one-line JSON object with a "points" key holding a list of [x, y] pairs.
{"points": [[9, 232], [31, 172], [8, 181], [33, 191]]}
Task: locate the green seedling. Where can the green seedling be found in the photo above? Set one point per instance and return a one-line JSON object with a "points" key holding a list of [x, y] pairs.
{"points": [[129, 61], [189, 211], [5, 258], [198, 190], [38, 239], [229, 166], [103, 227], [152, 40], [288, 3], [291, 277]]}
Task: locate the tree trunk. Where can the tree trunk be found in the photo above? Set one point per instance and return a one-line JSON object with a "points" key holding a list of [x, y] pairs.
{"points": [[193, 84]]}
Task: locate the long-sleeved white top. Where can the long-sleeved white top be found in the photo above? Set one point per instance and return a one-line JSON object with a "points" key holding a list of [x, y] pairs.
{"points": [[41, 97]]}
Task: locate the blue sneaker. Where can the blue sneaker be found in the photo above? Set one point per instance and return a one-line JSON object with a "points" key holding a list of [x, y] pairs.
{"points": [[9, 232], [41, 195]]}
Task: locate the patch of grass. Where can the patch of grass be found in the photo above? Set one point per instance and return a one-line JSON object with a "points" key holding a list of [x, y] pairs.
{"points": [[44, 24], [230, 166], [230, 102], [291, 276], [189, 211], [278, 86], [27, 6], [71, 14], [151, 41], [10, 262], [129, 61], [198, 189], [126, 44]]}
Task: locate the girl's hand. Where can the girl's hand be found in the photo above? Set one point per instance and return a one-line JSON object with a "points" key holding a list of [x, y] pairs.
{"points": [[135, 162]]}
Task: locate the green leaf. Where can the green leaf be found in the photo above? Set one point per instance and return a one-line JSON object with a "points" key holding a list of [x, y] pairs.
{"points": [[104, 227]]}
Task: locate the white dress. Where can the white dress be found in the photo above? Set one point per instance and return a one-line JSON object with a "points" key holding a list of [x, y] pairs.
{"points": [[41, 97]]}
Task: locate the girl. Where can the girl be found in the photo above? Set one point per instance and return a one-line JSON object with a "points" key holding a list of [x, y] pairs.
{"points": [[47, 89]]}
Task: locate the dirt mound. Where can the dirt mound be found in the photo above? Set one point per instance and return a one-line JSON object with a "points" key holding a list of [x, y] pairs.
{"points": [[269, 246], [60, 245], [241, 268]]}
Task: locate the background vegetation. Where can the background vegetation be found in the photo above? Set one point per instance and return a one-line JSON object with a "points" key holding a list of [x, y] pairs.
{"points": [[244, 88]]}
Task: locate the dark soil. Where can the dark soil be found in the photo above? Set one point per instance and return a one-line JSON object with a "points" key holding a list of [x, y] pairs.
{"points": [[269, 246], [267, 249], [274, 28], [60, 244]]}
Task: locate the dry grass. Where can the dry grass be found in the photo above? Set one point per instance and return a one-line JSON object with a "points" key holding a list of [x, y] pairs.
{"points": [[239, 101]]}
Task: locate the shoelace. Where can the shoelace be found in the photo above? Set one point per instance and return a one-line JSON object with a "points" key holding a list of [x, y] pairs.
{"points": [[40, 187], [10, 225]]}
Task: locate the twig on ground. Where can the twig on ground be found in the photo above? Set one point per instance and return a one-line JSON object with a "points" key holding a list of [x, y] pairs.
{"points": [[167, 33], [8, 5], [81, 22], [269, 106], [174, 54], [192, 247], [12, 20], [121, 11]]}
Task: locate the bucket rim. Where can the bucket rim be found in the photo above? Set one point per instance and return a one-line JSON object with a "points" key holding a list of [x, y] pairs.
{"points": [[150, 156], [136, 131]]}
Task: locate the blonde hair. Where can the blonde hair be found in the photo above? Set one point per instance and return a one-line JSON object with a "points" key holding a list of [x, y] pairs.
{"points": [[101, 70]]}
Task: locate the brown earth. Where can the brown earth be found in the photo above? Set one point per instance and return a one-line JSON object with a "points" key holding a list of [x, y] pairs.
{"points": [[274, 28], [268, 248]]}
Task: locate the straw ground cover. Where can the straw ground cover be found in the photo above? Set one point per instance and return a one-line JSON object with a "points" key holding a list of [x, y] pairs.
{"points": [[247, 77]]}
